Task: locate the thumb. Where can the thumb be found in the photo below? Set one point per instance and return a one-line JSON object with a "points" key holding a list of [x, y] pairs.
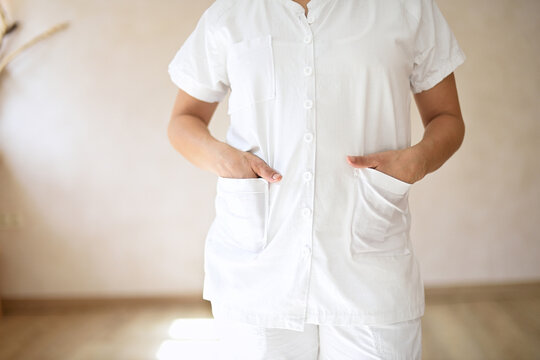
{"points": [[363, 161], [261, 168], [266, 172], [269, 174]]}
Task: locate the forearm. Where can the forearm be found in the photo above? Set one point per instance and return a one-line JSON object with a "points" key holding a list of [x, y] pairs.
{"points": [[442, 137], [190, 137]]}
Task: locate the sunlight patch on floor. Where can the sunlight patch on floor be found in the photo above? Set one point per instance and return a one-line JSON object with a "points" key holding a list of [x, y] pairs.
{"points": [[193, 338]]}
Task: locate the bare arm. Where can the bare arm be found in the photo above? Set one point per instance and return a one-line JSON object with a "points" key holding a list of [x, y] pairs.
{"points": [[188, 133], [444, 130]]}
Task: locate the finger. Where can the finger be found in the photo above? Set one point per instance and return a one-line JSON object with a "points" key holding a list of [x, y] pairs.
{"points": [[268, 173], [261, 168], [364, 161]]}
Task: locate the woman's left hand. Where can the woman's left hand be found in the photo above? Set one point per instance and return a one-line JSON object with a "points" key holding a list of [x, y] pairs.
{"points": [[407, 164]]}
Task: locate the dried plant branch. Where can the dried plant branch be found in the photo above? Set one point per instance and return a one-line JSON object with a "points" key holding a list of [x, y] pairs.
{"points": [[11, 27], [3, 21], [5, 27], [3, 24], [4, 62]]}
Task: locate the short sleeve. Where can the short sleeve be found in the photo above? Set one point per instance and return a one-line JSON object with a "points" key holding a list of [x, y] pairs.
{"points": [[199, 66], [436, 51]]}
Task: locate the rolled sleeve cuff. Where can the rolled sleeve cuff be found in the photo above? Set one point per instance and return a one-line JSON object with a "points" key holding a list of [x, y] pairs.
{"points": [[194, 88], [443, 71]]}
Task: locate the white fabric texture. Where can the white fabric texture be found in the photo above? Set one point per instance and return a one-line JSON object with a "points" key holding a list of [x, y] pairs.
{"points": [[329, 243], [399, 341]]}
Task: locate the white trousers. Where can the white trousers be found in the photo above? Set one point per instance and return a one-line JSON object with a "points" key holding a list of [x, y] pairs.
{"points": [[401, 340]]}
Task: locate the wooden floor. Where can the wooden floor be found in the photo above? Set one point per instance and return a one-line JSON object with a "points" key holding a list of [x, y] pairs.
{"points": [[460, 323]]}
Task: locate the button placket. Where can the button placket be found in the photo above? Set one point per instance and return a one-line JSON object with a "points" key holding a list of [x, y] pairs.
{"points": [[308, 103], [309, 19], [307, 250], [309, 135]]}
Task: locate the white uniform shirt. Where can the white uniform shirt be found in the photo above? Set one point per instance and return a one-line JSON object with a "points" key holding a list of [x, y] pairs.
{"points": [[329, 243]]}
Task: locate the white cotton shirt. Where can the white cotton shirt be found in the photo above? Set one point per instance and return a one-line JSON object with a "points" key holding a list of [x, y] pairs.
{"points": [[329, 243]]}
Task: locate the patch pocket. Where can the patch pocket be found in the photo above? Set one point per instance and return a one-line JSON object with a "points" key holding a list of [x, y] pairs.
{"points": [[250, 68], [242, 211], [380, 221]]}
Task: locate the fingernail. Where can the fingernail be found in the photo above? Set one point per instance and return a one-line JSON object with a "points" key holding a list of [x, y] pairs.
{"points": [[276, 176]]}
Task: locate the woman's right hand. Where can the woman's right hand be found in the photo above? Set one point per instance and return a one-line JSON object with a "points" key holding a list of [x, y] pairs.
{"points": [[243, 164]]}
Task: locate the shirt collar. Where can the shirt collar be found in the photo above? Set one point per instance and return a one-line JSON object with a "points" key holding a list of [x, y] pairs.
{"points": [[312, 4]]}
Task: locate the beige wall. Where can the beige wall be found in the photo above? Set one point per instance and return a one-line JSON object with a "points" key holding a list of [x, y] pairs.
{"points": [[108, 208]]}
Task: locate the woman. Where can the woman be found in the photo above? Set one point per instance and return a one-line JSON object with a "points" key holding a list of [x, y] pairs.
{"points": [[309, 254]]}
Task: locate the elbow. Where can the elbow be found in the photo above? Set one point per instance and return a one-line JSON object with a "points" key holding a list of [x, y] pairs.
{"points": [[460, 131], [172, 130]]}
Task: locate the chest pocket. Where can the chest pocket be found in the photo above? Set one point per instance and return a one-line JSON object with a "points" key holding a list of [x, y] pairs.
{"points": [[380, 221], [250, 67]]}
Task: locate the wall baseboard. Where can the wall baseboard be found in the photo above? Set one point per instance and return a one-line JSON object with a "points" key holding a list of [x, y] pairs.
{"points": [[434, 294], [482, 292], [26, 305]]}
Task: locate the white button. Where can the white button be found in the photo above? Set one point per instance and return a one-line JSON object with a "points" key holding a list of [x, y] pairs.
{"points": [[308, 137], [307, 250], [308, 104], [307, 176], [308, 70], [307, 39], [310, 19], [306, 212]]}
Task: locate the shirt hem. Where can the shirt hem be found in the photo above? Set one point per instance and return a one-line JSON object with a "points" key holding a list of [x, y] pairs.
{"points": [[274, 320], [350, 319], [270, 320]]}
